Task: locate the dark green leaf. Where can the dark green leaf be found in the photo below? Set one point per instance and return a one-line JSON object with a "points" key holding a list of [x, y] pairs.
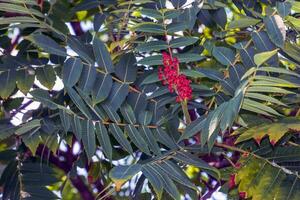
{"points": [[101, 88], [8, 81], [25, 80], [88, 138], [117, 95], [150, 139], [128, 113], [120, 137], [87, 78], [48, 45], [102, 56], [104, 140], [137, 139], [71, 71], [126, 68], [182, 41], [65, 119], [150, 27], [121, 174], [275, 29], [224, 55], [152, 46], [46, 76]]}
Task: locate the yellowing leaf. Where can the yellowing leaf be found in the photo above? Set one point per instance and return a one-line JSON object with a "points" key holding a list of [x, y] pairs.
{"points": [[261, 58], [275, 130]]}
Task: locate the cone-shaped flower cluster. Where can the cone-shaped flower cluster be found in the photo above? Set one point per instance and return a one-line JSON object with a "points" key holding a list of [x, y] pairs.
{"points": [[169, 75]]}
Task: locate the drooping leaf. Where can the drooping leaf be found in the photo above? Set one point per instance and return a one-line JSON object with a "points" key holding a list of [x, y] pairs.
{"points": [[88, 138], [104, 140]]}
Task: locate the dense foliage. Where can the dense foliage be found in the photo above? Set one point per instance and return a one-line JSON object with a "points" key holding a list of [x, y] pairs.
{"points": [[143, 99]]}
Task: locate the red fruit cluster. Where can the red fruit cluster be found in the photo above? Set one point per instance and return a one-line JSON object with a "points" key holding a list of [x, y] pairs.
{"points": [[169, 75]]}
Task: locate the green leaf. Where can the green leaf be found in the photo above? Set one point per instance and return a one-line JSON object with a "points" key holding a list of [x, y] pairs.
{"points": [[33, 124], [8, 79], [137, 139], [150, 27], [176, 27], [145, 117], [102, 56], [46, 76], [104, 140], [43, 97], [152, 46], [128, 113], [188, 158], [189, 57], [182, 41], [155, 180], [183, 58], [87, 78], [120, 137], [77, 127], [264, 98], [268, 89], [261, 58], [278, 70], [224, 55], [126, 68], [65, 120], [193, 128], [71, 71], [112, 114], [80, 48], [168, 184], [21, 19], [121, 174], [78, 102], [151, 13], [164, 138], [275, 29], [243, 22], [48, 44], [88, 138], [152, 78], [101, 88], [25, 80], [117, 95], [13, 8], [259, 106], [150, 139]]}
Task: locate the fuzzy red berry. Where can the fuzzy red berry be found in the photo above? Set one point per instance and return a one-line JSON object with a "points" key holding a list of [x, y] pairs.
{"points": [[169, 75]]}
